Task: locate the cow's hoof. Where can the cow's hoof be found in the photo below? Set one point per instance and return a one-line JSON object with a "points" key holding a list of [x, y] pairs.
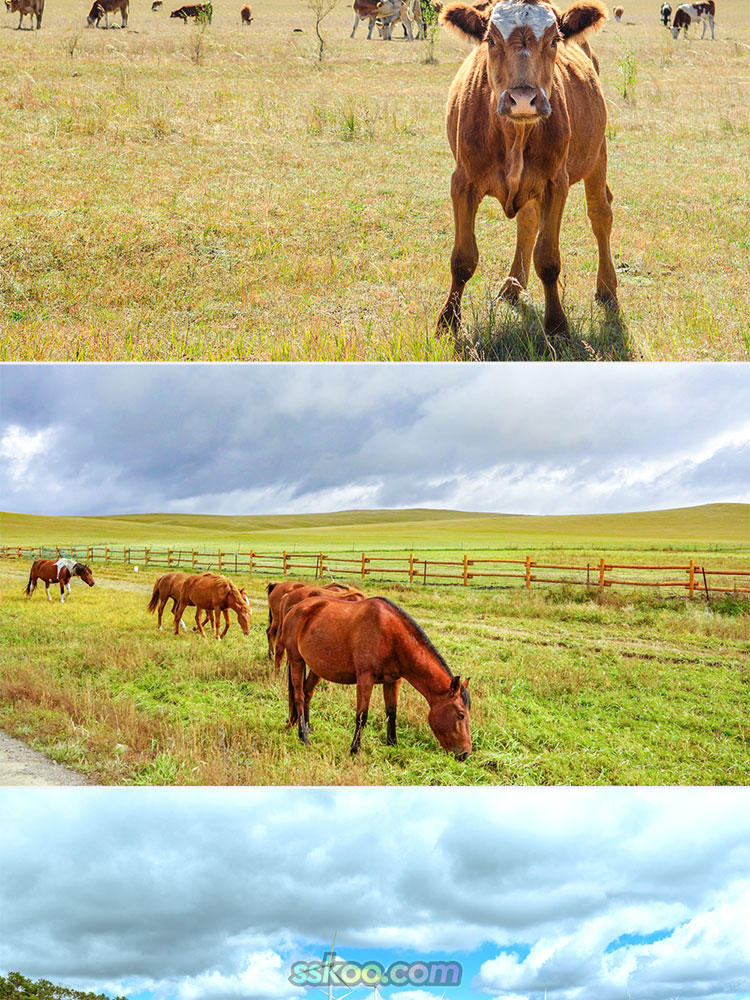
{"points": [[607, 301], [511, 290]]}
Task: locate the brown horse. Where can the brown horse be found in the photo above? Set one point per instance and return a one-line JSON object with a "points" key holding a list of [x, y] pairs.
{"points": [[276, 593], [212, 593], [366, 643], [57, 571], [165, 587], [170, 585]]}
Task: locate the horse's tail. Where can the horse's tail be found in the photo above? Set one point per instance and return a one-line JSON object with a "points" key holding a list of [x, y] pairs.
{"points": [[28, 585], [154, 598], [269, 588]]}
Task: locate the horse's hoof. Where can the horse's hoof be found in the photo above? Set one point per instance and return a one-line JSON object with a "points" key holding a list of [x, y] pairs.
{"points": [[511, 290]]}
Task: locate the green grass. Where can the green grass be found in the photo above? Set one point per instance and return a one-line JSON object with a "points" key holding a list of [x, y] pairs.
{"points": [[255, 205], [566, 689]]}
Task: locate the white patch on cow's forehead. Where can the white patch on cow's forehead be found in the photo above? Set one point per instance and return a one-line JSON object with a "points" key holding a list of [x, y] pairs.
{"points": [[510, 14]]}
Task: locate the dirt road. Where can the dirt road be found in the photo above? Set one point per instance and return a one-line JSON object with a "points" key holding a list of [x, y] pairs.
{"points": [[20, 765]]}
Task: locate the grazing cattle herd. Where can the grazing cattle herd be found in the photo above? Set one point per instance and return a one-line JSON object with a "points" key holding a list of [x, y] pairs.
{"points": [[381, 13]]}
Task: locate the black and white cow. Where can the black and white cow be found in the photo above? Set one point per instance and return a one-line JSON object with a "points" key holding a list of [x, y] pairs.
{"points": [[686, 13], [665, 14]]}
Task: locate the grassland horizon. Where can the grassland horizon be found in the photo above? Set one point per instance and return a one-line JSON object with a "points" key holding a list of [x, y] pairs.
{"points": [[707, 526], [218, 194]]}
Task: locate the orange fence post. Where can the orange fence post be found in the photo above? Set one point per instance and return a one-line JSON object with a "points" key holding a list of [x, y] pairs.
{"points": [[528, 572], [411, 567], [363, 565], [466, 570], [169, 557], [193, 551], [220, 560], [691, 578], [283, 562], [601, 574]]}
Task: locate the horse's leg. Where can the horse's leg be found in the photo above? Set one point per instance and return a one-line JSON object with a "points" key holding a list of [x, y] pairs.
{"points": [[217, 622], [364, 691], [46, 587], [178, 611], [296, 667], [62, 592], [390, 693], [311, 682], [198, 622], [160, 610], [226, 622]]}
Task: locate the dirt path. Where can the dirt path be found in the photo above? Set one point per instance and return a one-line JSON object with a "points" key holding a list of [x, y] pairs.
{"points": [[20, 765]]}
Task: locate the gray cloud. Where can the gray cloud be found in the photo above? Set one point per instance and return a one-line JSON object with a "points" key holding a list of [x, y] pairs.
{"points": [[182, 892], [275, 439]]}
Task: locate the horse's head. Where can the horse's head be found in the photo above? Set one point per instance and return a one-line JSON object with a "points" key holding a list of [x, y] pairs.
{"points": [[449, 719], [243, 609], [85, 574]]}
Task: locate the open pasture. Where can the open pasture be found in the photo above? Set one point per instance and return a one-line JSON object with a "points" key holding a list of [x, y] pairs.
{"points": [[567, 688], [173, 192]]}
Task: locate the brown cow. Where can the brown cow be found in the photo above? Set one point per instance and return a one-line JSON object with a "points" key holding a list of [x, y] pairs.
{"points": [[246, 13], [196, 11], [618, 12], [526, 118], [686, 13], [34, 8], [385, 11], [103, 8], [157, 5]]}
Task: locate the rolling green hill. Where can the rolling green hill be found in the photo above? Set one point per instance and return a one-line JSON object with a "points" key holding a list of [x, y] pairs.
{"points": [[707, 526]]}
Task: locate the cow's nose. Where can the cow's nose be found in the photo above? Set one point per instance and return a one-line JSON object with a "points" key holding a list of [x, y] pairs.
{"points": [[523, 101]]}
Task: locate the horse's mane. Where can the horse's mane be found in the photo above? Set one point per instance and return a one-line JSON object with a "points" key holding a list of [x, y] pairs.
{"points": [[424, 638]]}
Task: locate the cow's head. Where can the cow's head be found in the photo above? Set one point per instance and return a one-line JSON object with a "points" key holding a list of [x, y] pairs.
{"points": [[95, 15], [521, 39]]}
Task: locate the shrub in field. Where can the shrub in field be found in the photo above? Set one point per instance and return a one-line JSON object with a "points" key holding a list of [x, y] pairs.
{"points": [[321, 9], [627, 65], [430, 18]]}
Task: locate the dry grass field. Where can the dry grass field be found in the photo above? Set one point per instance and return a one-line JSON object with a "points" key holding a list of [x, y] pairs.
{"points": [[172, 193]]}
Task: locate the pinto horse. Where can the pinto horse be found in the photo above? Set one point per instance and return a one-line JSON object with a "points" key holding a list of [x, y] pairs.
{"points": [[214, 594], [59, 571], [276, 593], [370, 642]]}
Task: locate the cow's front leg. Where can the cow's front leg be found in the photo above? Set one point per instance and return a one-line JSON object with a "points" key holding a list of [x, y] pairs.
{"points": [[527, 226], [547, 254], [599, 210], [465, 257]]}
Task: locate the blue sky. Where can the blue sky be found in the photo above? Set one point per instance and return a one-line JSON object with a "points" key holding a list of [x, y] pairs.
{"points": [[212, 894]]}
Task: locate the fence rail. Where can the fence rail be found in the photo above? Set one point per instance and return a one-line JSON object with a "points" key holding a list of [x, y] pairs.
{"points": [[595, 575]]}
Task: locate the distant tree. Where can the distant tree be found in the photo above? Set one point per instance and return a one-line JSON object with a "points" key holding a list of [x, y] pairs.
{"points": [[321, 9], [14, 986]]}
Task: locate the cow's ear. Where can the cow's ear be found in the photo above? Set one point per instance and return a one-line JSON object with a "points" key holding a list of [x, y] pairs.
{"points": [[576, 21], [465, 19]]}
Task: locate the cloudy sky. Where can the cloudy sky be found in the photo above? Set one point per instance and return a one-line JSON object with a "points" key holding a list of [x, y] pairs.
{"points": [[212, 894], [536, 439]]}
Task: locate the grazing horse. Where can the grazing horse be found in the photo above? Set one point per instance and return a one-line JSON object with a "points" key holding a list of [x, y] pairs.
{"points": [[276, 592], [170, 585], [165, 587], [213, 593], [366, 643], [299, 594], [60, 571]]}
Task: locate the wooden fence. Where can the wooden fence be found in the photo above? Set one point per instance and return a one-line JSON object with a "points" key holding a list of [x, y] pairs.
{"points": [[691, 577]]}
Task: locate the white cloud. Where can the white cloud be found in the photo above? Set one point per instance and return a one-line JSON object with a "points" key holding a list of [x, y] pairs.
{"points": [[22, 449]]}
